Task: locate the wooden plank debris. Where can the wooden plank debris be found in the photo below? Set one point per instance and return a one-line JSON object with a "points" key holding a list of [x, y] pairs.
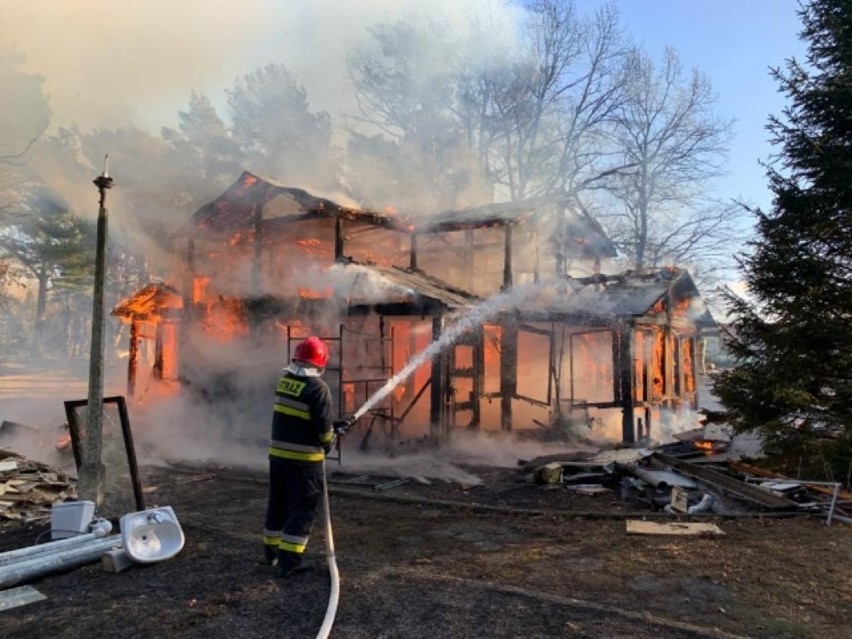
{"points": [[28, 489], [548, 474], [639, 527], [748, 469], [20, 596], [736, 487], [679, 501], [589, 489], [392, 484]]}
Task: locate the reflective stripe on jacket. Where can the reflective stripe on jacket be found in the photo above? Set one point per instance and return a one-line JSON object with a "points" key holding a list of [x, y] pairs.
{"points": [[302, 416]]}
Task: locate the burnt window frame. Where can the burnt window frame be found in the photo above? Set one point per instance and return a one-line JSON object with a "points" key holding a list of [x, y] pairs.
{"points": [[75, 431]]}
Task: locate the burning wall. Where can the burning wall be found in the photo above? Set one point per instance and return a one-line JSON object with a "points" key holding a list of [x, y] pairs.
{"points": [[265, 264]]}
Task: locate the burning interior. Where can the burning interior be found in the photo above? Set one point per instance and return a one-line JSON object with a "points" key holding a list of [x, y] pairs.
{"points": [[263, 265]]}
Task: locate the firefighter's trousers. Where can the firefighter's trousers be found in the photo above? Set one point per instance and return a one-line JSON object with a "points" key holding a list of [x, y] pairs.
{"points": [[295, 493]]}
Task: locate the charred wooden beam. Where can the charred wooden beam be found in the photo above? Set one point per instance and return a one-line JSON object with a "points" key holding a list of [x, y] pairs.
{"points": [[412, 260], [468, 258], [422, 308], [257, 227], [755, 494], [338, 239], [626, 345], [508, 370], [436, 407], [507, 259], [616, 368], [478, 376], [132, 358]]}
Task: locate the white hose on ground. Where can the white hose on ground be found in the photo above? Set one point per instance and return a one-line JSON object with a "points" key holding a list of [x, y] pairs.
{"points": [[333, 597]]}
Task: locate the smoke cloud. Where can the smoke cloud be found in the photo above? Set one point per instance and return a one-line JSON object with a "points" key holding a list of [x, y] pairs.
{"points": [[108, 65]]}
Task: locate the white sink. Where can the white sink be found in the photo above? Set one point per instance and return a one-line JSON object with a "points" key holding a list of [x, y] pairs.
{"points": [[151, 535]]}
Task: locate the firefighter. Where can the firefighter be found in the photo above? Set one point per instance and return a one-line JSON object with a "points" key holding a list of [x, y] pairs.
{"points": [[302, 435]]}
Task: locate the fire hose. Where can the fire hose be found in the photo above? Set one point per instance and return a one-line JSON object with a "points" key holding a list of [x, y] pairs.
{"points": [[340, 428]]}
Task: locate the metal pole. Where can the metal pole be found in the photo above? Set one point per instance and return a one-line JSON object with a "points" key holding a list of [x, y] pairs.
{"points": [[91, 473], [55, 562], [831, 508], [60, 545]]}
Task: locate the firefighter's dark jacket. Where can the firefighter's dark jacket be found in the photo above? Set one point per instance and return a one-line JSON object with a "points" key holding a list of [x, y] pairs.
{"points": [[301, 423]]}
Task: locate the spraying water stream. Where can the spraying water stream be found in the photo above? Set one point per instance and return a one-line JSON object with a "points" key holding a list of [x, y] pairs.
{"points": [[476, 316]]}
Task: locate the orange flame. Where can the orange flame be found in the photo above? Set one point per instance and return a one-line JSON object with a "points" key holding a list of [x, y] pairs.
{"points": [[658, 372], [310, 294], [199, 288], [688, 379], [680, 308]]}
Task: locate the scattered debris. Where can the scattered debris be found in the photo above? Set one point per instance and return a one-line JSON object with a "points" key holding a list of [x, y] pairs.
{"points": [[663, 478], [28, 489], [548, 474], [589, 489], [20, 596], [639, 527], [376, 482], [680, 501], [698, 473], [116, 560], [391, 484]]}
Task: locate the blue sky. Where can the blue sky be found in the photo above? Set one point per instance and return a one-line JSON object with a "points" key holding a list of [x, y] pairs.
{"points": [[734, 42]]}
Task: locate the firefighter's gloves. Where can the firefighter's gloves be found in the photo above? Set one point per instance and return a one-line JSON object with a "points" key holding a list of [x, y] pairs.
{"points": [[340, 426]]}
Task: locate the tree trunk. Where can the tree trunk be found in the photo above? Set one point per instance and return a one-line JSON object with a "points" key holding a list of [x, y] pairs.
{"points": [[41, 307]]}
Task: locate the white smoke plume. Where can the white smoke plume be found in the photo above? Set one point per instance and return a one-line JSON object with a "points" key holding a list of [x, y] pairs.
{"points": [[108, 65]]}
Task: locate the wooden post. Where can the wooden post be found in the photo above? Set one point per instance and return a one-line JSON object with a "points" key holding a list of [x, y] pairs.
{"points": [[469, 273], [132, 358], [537, 258], [187, 316], [508, 370], [91, 475], [256, 274], [616, 366], [626, 346], [694, 400], [437, 389], [507, 258], [412, 258], [338, 239]]}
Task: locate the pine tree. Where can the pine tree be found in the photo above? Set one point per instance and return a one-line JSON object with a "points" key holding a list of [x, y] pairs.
{"points": [[793, 345], [49, 243]]}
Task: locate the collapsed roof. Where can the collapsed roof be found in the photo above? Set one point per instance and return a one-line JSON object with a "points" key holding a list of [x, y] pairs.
{"points": [[252, 199], [629, 295], [153, 302]]}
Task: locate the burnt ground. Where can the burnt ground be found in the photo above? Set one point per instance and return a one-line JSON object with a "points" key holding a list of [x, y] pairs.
{"points": [[504, 559]]}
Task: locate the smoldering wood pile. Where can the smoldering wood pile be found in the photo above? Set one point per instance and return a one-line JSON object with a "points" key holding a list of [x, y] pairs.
{"points": [[28, 488]]}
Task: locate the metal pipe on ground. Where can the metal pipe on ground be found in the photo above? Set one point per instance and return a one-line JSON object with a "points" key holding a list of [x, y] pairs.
{"points": [[56, 561], [30, 552]]}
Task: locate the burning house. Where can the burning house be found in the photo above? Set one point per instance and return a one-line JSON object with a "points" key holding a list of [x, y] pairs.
{"points": [[263, 265]]}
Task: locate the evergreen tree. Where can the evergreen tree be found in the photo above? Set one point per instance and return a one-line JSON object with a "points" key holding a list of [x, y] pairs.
{"points": [[277, 133], [50, 244], [205, 158], [793, 346]]}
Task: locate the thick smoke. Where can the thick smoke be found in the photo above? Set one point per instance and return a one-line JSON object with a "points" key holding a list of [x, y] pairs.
{"points": [[112, 72], [108, 66]]}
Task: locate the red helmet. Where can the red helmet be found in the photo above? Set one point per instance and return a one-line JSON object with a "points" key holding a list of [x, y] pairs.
{"points": [[313, 351]]}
